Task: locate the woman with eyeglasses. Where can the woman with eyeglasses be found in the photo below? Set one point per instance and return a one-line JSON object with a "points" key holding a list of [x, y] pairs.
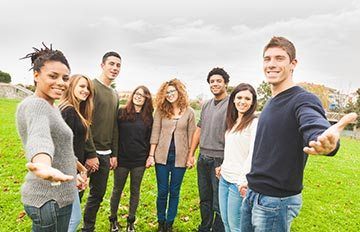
{"points": [[134, 123], [173, 128]]}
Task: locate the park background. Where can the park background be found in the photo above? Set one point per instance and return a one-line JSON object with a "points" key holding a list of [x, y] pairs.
{"points": [[159, 40]]}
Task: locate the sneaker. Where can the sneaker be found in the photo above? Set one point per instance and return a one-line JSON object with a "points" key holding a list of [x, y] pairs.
{"points": [[168, 227], [114, 225], [161, 227], [130, 227]]}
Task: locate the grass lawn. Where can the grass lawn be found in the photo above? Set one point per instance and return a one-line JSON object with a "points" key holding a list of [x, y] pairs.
{"points": [[331, 194]]}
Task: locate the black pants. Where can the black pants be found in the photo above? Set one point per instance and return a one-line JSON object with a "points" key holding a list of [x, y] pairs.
{"points": [[208, 185], [120, 177], [98, 183]]}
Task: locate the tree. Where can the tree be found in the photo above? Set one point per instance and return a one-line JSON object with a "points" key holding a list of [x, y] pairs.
{"points": [[230, 89], [5, 77], [354, 106], [264, 93]]}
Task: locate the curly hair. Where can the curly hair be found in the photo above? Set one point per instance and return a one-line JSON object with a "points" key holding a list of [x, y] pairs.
{"points": [[40, 56], [218, 71], [166, 108], [83, 108]]}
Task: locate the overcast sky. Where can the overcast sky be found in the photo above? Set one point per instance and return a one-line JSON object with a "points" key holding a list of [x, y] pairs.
{"points": [[162, 39]]}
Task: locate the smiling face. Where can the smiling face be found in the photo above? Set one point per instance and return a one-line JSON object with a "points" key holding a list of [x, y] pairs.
{"points": [[243, 101], [111, 69], [51, 81], [171, 94], [139, 97], [82, 89], [277, 66], [217, 85]]}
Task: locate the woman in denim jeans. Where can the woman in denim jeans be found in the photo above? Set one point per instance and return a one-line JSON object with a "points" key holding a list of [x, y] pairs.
{"points": [[173, 128], [48, 191], [239, 139]]}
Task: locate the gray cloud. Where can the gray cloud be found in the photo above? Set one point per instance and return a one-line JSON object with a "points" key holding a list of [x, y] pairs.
{"points": [[161, 39]]}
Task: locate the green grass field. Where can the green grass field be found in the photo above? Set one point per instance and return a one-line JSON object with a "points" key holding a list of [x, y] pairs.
{"points": [[331, 194]]}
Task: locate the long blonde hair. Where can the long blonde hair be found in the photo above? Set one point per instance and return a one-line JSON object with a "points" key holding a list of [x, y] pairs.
{"points": [[165, 107], [83, 108]]}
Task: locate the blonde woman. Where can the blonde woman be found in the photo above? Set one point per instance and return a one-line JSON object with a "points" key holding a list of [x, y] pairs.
{"points": [[76, 105], [173, 128]]}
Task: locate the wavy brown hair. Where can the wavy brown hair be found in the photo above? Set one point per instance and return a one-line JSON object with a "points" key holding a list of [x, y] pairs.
{"points": [[166, 109], [83, 108], [232, 113], [128, 113]]}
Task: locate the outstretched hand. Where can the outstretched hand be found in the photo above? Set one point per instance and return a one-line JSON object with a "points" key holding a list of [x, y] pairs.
{"points": [[47, 172], [327, 141]]}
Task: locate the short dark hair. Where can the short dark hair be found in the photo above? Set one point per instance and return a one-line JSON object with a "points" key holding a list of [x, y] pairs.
{"points": [[40, 56], [218, 71], [108, 54], [283, 43]]}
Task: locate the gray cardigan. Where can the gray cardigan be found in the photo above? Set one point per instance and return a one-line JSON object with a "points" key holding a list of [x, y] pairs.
{"points": [[43, 130], [183, 130]]}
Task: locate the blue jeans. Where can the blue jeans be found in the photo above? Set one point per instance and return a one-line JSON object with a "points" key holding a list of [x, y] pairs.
{"points": [[208, 185], [176, 175], [230, 202], [264, 213], [49, 217], [75, 218]]}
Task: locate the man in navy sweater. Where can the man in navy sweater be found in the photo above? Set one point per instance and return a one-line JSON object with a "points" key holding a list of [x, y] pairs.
{"points": [[292, 125]]}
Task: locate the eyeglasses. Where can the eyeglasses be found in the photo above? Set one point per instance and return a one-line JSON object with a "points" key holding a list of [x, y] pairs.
{"points": [[139, 95], [171, 92]]}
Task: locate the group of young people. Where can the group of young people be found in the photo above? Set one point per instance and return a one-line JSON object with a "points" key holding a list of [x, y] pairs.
{"points": [[249, 169]]}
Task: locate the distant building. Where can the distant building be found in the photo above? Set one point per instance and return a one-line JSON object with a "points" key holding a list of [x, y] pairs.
{"points": [[14, 91]]}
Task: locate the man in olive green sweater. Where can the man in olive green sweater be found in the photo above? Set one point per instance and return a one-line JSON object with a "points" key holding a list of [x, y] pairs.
{"points": [[105, 135]]}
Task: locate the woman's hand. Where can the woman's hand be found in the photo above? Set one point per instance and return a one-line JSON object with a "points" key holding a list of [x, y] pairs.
{"points": [[217, 172], [47, 172], [243, 189], [190, 161], [150, 161], [82, 181]]}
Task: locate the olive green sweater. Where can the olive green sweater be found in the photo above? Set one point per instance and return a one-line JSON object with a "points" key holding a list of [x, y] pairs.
{"points": [[104, 125]]}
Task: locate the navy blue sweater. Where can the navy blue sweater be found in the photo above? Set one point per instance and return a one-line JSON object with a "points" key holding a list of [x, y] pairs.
{"points": [[288, 122]]}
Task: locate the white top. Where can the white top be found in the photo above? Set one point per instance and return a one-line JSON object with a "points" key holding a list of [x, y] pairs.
{"points": [[238, 151]]}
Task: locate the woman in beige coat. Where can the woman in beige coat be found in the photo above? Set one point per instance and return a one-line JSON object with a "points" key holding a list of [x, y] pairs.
{"points": [[173, 128]]}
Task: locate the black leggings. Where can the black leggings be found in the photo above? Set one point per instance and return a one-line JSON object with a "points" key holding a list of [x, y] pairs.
{"points": [[120, 177]]}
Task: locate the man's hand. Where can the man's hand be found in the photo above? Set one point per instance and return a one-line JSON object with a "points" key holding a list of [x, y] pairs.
{"points": [[327, 141], [47, 172], [113, 163], [92, 164]]}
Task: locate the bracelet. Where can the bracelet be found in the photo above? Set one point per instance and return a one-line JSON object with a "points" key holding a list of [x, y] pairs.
{"points": [[151, 155]]}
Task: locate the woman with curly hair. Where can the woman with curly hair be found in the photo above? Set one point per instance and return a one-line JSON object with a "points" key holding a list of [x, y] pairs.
{"points": [[134, 123], [173, 128], [76, 105]]}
